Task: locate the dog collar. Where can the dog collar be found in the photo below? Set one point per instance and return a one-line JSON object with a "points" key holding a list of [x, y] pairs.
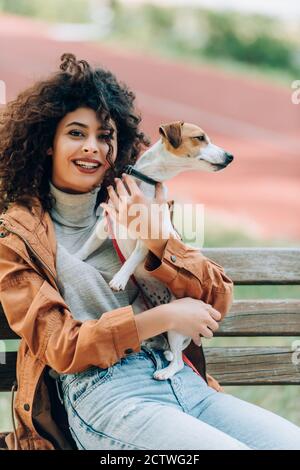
{"points": [[131, 171]]}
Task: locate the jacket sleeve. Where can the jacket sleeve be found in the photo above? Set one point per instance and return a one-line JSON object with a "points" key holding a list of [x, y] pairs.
{"points": [[37, 313], [188, 273]]}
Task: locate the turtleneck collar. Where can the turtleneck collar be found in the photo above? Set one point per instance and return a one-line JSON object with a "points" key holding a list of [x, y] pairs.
{"points": [[74, 210]]}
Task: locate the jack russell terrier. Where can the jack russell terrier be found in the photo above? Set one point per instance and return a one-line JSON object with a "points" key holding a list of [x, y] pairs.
{"points": [[182, 147]]}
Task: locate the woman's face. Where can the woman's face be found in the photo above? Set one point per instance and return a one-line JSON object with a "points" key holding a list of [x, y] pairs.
{"points": [[79, 136]]}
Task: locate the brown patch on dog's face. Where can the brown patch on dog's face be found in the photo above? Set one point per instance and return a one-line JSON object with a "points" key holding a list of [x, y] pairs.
{"points": [[183, 139], [172, 133]]}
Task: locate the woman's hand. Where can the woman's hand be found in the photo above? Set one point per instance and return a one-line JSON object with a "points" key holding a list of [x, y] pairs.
{"points": [[145, 218], [193, 318]]}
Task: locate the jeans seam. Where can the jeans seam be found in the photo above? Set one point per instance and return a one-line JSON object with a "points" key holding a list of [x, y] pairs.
{"points": [[77, 441]]}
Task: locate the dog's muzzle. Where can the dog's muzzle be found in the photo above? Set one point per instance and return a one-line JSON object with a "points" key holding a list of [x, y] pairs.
{"points": [[228, 158]]}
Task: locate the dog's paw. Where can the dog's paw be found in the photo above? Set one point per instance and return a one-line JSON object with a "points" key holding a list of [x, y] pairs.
{"points": [[117, 283], [167, 372], [164, 374]]}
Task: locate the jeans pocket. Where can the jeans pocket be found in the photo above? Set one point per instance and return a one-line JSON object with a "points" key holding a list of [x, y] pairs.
{"points": [[86, 382]]}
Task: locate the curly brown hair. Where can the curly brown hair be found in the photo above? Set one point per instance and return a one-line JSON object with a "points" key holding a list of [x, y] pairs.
{"points": [[28, 125]]}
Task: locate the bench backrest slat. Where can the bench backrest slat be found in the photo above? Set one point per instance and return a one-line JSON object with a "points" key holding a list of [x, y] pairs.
{"points": [[258, 265], [262, 318], [253, 366]]}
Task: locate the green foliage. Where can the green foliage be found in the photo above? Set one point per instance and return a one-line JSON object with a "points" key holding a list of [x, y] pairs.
{"points": [[251, 39], [71, 11], [256, 42]]}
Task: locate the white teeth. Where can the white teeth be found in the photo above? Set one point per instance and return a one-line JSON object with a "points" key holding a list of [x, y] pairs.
{"points": [[86, 164]]}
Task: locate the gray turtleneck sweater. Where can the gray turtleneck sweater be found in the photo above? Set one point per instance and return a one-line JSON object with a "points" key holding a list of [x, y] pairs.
{"points": [[84, 284]]}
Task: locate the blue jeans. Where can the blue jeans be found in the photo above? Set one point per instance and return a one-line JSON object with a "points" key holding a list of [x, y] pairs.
{"points": [[123, 407]]}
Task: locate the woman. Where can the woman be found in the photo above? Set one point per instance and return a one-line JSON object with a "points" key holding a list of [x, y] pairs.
{"points": [[78, 334]]}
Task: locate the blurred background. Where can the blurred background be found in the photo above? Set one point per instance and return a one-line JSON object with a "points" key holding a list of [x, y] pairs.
{"points": [[228, 66]]}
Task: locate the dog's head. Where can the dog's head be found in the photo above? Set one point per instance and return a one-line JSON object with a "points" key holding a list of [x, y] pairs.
{"points": [[190, 142]]}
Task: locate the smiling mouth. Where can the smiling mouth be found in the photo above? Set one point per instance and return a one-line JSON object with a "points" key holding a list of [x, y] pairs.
{"points": [[85, 168]]}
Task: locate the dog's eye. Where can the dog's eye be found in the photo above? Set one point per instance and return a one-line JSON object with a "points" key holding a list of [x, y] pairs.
{"points": [[200, 137]]}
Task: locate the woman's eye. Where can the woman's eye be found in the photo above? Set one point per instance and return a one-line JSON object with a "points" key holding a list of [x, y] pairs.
{"points": [[75, 133], [105, 136]]}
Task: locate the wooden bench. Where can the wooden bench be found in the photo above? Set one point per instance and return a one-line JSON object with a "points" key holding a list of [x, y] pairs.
{"points": [[248, 318]]}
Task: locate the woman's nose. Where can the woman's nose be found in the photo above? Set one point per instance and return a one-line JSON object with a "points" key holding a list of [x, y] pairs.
{"points": [[90, 149], [90, 146]]}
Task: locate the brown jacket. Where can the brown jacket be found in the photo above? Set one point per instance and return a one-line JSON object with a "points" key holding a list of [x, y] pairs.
{"points": [[52, 338]]}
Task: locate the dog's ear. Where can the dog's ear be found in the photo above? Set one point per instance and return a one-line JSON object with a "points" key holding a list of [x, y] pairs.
{"points": [[172, 132]]}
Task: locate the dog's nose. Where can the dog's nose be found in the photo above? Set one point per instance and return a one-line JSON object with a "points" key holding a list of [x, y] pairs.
{"points": [[229, 157]]}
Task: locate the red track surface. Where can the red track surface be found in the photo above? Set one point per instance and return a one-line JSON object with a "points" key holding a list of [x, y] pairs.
{"points": [[254, 120]]}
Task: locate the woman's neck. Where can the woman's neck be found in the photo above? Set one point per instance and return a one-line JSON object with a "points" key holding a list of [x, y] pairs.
{"points": [[74, 210]]}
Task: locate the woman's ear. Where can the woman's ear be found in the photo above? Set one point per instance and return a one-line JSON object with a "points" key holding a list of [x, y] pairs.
{"points": [[50, 151]]}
